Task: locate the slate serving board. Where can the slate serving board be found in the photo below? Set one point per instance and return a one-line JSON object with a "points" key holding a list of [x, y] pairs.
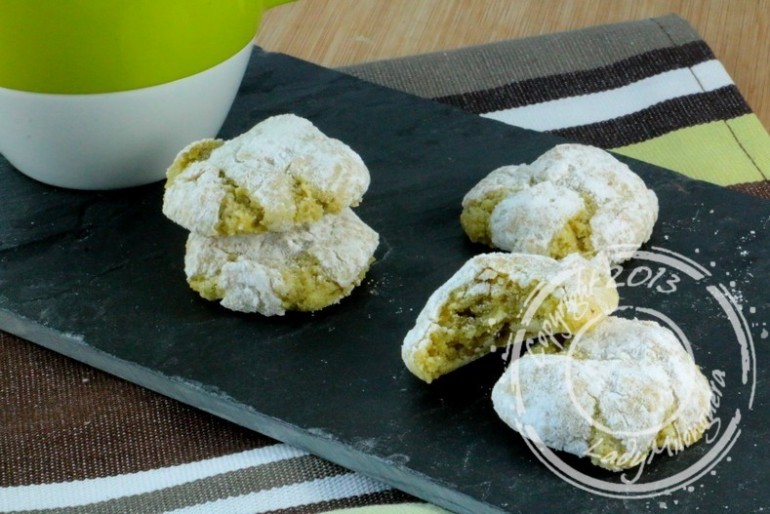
{"points": [[98, 277]]}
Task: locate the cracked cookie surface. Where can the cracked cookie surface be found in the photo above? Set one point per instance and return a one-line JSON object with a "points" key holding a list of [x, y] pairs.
{"points": [[282, 173], [491, 297], [572, 199], [620, 390], [305, 269]]}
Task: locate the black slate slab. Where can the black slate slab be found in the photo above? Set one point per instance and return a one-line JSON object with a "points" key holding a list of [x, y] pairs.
{"points": [[98, 277]]}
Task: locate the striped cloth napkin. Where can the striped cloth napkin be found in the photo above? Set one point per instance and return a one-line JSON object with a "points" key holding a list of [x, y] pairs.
{"points": [[651, 90], [75, 440]]}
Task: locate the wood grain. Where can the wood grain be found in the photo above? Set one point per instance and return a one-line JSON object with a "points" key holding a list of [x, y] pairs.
{"points": [[340, 32]]}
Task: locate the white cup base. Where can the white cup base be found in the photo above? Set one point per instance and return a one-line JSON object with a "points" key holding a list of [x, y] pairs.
{"points": [[115, 140]]}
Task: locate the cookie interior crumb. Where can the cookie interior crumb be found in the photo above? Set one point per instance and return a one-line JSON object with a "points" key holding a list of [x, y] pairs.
{"points": [[206, 286], [307, 286], [475, 319], [199, 151], [238, 212], [474, 217], [312, 202], [495, 296], [575, 237]]}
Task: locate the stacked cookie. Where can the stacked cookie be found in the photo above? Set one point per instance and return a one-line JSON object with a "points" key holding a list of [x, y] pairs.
{"points": [[594, 385], [270, 218]]}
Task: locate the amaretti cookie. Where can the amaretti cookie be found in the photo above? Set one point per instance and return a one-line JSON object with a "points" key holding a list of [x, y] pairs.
{"points": [[282, 173], [306, 268], [618, 391], [490, 298], [572, 199]]}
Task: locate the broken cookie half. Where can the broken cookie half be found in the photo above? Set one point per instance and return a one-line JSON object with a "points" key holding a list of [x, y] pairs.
{"points": [[619, 391], [493, 296], [282, 173]]}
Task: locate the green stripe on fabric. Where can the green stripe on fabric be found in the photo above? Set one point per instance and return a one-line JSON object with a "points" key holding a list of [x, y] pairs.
{"points": [[754, 139], [707, 152], [403, 508]]}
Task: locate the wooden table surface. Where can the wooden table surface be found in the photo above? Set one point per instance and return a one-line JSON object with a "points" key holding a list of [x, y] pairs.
{"points": [[340, 32]]}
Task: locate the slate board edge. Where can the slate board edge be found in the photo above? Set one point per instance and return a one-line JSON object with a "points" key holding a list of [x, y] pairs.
{"points": [[219, 405]]}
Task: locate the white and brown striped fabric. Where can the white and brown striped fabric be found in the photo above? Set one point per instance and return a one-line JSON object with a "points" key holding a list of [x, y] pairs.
{"points": [[651, 89], [75, 440]]}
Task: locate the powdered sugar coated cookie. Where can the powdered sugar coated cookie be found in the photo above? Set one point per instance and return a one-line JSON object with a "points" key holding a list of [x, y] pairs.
{"points": [[306, 268], [618, 391], [280, 174], [577, 198]]}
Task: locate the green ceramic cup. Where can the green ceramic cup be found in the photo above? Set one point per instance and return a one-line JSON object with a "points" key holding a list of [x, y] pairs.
{"points": [[142, 76], [101, 46]]}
